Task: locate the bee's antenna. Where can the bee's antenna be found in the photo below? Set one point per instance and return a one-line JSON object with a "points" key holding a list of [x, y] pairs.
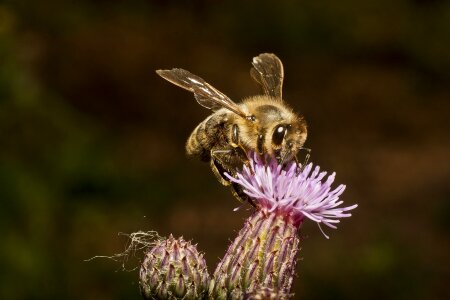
{"points": [[303, 165], [307, 156]]}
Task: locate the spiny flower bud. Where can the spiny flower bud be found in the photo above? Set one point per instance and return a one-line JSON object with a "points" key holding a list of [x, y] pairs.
{"points": [[264, 293], [174, 269], [262, 256]]}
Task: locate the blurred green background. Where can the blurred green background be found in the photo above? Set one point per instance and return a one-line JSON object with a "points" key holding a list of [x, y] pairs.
{"points": [[92, 141]]}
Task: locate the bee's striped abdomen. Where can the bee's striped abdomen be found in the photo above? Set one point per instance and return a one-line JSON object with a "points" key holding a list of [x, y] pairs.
{"points": [[200, 141], [193, 145], [207, 134]]}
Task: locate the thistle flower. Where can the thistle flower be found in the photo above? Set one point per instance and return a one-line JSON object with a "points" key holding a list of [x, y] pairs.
{"points": [[173, 269], [263, 256], [282, 190]]}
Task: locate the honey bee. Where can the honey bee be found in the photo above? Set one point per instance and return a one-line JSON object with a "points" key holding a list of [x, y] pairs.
{"points": [[264, 124]]}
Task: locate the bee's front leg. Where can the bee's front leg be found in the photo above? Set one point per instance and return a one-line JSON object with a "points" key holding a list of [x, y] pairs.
{"points": [[239, 149]]}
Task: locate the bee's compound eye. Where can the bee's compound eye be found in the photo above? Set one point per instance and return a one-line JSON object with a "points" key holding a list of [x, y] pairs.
{"points": [[278, 134]]}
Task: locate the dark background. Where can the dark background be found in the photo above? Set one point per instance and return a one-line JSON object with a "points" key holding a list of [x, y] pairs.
{"points": [[92, 141]]}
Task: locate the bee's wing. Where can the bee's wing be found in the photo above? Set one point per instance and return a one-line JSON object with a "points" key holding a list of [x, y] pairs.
{"points": [[204, 93], [269, 73]]}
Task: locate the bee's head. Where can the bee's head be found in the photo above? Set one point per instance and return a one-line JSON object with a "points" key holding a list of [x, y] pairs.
{"points": [[286, 139], [280, 132]]}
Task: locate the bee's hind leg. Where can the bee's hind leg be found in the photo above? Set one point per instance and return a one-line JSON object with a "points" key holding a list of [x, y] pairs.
{"points": [[240, 195], [216, 164]]}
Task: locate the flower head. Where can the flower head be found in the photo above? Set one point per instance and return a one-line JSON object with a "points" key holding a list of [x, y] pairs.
{"points": [[292, 193]]}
